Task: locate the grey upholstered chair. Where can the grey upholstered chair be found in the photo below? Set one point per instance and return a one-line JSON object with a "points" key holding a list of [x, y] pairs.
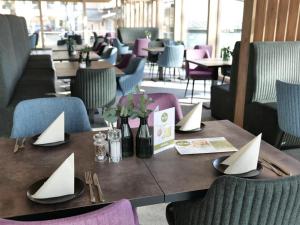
{"points": [[96, 87], [33, 116], [288, 111], [237, 201]]}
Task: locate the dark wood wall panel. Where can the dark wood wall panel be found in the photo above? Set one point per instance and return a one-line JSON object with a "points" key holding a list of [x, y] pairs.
{"points": [[282, 20], [292, 20], [270, 25], [260, 20]]}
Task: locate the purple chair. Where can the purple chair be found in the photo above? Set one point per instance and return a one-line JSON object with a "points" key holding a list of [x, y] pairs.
{"points": [[163, 100], [139, 45], [195, 72], [118, 213], [125, 61], [207, 48]]}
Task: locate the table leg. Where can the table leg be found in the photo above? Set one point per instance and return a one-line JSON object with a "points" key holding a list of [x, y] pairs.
{"points": [[160, 73]]}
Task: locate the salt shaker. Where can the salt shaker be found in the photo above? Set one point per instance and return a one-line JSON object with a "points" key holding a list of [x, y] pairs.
{"points": [[101, 147], [115, 149]]}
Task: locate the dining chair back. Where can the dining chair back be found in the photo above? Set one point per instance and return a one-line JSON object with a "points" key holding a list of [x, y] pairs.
{"points": [[234, 201], [32, 117], [125, 61], [161, 101], [168, 42], [288, 107], [96, 87], [134, 74], [207, 48], [110, 55], [172, 57], [153, 56], [122, 48], [139, 45], [117, 213]]}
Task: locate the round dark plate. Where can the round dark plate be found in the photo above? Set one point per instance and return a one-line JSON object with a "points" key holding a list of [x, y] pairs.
{"points": [[221, 168], [67, 139], [79, 189], [189, 131]]}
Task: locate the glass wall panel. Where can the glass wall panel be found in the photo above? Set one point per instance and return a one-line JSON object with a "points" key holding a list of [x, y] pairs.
{"points": [[28, 9], [196, 15], [230, 23], [168, 22], [60, 18]]}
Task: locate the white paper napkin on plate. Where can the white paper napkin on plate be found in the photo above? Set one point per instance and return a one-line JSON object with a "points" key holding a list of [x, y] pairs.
{"points": [[245, 159], [60, 183], [192, 120], [54, 133]]}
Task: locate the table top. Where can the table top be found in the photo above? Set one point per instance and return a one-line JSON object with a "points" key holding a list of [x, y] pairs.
{"points": [[156, 49], [165, 177], [64, 56], [182, 177], [67, 70], [65, 48], [128, 179], [210, 62]]}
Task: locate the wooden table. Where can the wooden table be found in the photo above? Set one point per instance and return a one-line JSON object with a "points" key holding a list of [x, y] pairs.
{"points": [[65, 47], [67, 70], [64, 56], [165, 177]]}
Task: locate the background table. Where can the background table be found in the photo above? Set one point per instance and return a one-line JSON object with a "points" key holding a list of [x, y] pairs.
{"points": [[64, 56], [165, 177], [67, 70], [65, 47]]}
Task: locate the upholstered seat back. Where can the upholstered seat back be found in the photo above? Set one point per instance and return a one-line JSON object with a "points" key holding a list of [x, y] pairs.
{"points": [[237, 201], [130, 34], [271, 61]]}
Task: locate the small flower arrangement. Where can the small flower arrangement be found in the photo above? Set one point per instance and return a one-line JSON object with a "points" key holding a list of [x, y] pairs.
{"points": [[148, 34], [86, 49], [226, 53]]}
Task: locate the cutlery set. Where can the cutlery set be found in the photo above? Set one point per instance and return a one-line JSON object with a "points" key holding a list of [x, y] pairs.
{"points": [[274, 167], [93, 180]]}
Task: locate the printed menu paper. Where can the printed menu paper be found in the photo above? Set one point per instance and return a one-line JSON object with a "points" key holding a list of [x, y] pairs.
{"points": [[203, 145], [163, 129]]}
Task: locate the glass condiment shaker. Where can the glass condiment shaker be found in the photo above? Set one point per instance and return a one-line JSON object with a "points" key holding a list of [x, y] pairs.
{"points": [[115, 149], [101, 147]]}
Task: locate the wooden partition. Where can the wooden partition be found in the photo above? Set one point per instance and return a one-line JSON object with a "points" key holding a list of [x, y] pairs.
{"points": [[264, 20]]}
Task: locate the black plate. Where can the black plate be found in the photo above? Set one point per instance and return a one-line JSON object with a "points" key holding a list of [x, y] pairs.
{"points": [[67, 139], [79, 189], [189, 131], [221, 168]]}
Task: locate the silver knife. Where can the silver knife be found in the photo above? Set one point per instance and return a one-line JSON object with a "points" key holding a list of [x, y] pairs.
{"points": [[97, 184]]}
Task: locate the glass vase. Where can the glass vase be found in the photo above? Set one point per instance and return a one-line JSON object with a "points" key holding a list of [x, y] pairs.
{"points": [[144, 143], [127, 138]]}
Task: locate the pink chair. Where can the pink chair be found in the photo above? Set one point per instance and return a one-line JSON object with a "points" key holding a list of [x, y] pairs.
{"points": [[139, 45], [118, 213], [163, 100], [195, 72]]}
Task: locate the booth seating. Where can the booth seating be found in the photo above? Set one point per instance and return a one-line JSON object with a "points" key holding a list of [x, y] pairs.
{"points": [[128, 35], [22, 76], [268, 62]]}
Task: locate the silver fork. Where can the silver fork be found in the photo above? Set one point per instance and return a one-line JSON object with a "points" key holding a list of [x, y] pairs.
{"points": [[89, 181]]}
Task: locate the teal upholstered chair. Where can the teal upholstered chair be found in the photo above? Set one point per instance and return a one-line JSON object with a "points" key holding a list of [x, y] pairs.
{"points": [[288, 111], [237, 201], [96, 87], [110, 55], [32, 117], [134, 74]]}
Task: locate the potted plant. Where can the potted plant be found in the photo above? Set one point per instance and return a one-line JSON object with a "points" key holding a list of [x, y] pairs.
{"points": [[70, 45], [148, 34], [144, 142], [226, 53]]}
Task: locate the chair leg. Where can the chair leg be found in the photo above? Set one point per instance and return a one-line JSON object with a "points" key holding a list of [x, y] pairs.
{"points": [[193, 91], [186, 87], [174, 73]]}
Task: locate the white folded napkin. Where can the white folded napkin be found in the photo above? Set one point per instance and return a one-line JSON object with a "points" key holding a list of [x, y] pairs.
{"points": [[60, 183], [245, 159], [192, 120], [54, 133]]}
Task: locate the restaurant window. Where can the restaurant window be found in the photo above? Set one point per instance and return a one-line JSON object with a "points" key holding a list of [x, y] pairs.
{"points": [[230, 24], [60, 18], [168, 22], [27, 9], [196, 22], [102, 17]]}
